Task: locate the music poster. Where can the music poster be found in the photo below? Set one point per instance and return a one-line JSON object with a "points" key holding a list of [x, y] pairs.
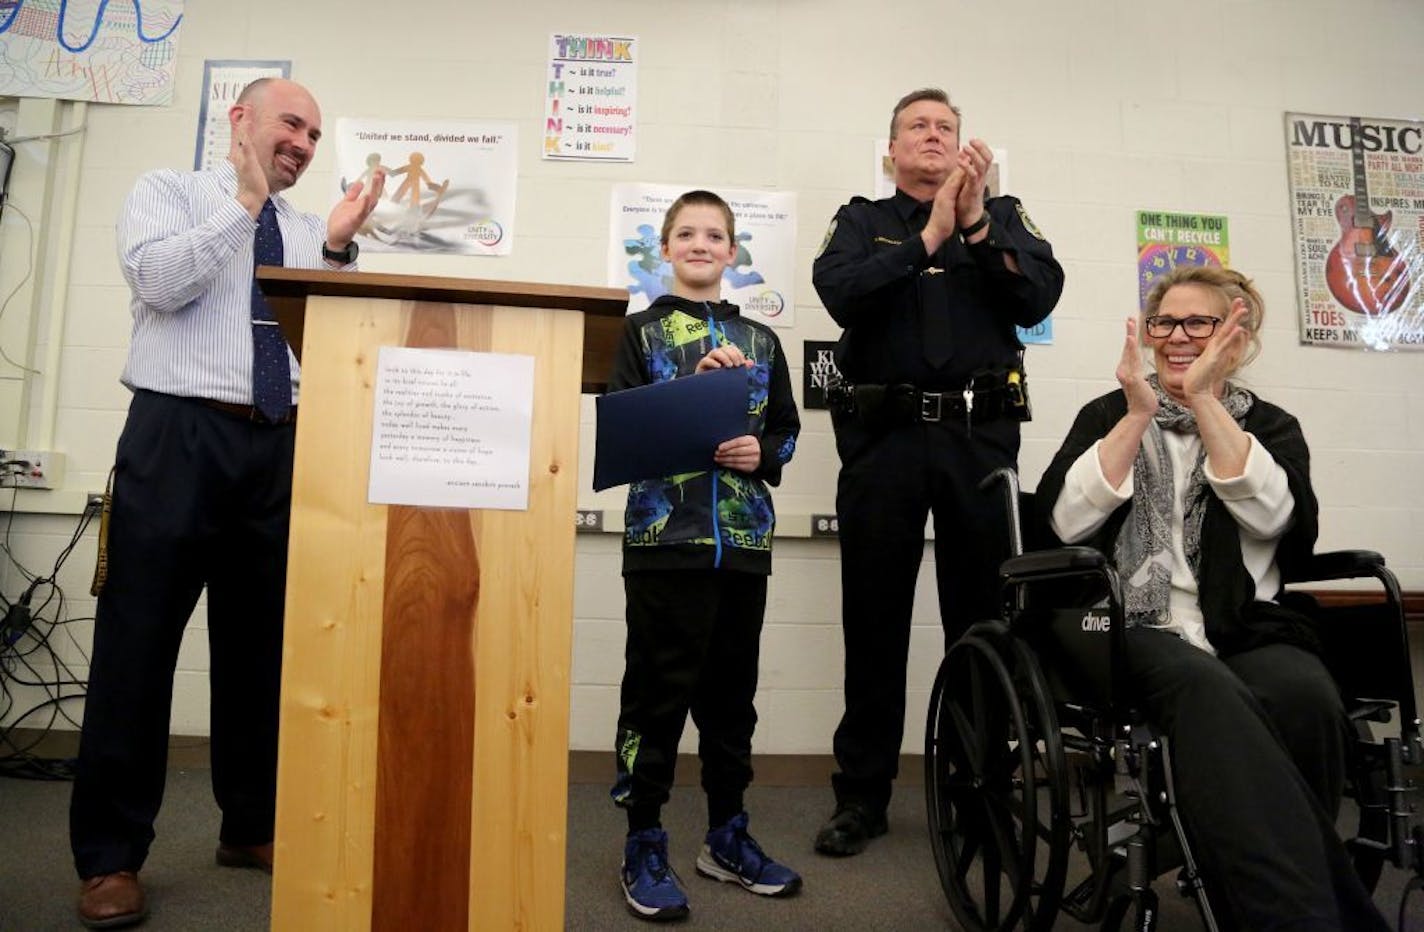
{"points": [[1357, 202]]}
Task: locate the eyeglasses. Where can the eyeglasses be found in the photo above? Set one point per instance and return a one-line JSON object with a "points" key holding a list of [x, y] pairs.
{"points": [[1161, 327]]}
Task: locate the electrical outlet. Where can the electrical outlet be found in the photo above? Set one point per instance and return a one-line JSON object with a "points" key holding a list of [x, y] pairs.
{"points": [[31, 469]]}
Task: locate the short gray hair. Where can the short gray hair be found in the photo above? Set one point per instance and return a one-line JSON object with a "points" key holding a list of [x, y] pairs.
{"points": [[924, 93]]}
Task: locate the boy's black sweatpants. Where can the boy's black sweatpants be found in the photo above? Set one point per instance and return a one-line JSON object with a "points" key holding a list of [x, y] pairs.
{"points": [[693, 642]]}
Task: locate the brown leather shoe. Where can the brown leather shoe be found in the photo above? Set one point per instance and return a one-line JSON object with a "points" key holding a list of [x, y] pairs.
{"points": [[258, 856], [110, 901]]}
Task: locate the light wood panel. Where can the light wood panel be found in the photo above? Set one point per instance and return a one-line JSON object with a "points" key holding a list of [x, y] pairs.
{"points": [[332, 654], [426, 745], [526, 648], [424, 764]]}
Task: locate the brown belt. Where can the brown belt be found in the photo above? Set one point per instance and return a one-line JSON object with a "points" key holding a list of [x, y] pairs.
{"points": [[248, 412]]}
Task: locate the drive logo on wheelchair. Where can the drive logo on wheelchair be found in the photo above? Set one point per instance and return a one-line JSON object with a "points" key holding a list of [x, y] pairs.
{"points": [[1094, 621]]}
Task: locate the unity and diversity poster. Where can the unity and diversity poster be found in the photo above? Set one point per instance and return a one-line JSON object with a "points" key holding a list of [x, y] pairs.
{"points": [[1357, 200], [121, 53], [591, 98], [760, 280], [223, 81], [1167, 239], [449, 184]]}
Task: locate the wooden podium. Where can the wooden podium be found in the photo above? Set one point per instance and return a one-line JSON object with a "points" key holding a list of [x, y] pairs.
{"points": [[423, 762]]}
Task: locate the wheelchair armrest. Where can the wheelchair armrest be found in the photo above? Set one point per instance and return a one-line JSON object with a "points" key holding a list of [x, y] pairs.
{"points": [[1338, 564], [1366, 644], [1044, 564]]}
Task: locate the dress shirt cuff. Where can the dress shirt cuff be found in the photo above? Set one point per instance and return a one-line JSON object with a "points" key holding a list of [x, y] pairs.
{"points": [[995, 242], [234, 223], [917, 258]]}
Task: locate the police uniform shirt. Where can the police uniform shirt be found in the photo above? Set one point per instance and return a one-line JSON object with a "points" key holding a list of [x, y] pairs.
{"points": [[876, 280]]}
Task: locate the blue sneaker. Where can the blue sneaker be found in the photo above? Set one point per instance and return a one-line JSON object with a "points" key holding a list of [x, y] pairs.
{"points": [[649, 883], [732, 855]]}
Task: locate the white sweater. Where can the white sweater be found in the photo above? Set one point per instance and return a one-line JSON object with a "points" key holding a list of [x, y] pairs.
{"points": [[1259, 499]]}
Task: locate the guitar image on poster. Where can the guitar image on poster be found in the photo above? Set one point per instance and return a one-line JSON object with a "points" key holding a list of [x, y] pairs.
{"points": [[1364, 271]]}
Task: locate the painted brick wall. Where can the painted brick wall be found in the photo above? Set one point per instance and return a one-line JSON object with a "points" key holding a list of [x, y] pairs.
{"points": [[1103, 107]]}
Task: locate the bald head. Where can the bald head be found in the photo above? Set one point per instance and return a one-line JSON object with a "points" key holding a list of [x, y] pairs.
{"points": [[281, 122], [258, 90]]}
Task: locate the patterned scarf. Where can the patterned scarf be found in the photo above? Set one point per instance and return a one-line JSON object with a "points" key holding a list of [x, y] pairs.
{"points": [[1143, 549]]}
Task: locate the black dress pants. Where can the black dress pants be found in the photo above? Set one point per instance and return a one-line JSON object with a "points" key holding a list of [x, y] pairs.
{"points": [[891, 480], [694, 637], [1258, 755], [201, 498]]}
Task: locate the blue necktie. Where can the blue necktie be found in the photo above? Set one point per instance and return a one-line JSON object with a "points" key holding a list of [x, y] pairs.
{"points": [[271, 371]]}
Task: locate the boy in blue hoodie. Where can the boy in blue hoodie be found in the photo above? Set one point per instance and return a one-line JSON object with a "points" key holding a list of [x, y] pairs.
{"points": [[696, 555]]}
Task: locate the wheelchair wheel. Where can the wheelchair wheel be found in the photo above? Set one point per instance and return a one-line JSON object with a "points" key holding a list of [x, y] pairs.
{"points": [[996, 785]]}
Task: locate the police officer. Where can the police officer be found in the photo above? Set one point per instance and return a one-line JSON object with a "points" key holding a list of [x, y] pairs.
{"points": [[928, 286]]}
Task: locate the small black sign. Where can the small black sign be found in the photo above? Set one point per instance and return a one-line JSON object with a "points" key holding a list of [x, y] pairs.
{"points": [[588, 521], [818, 366], [825, 526]]}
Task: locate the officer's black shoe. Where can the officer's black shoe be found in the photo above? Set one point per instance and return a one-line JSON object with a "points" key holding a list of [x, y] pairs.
{"points": [[850, 830]]}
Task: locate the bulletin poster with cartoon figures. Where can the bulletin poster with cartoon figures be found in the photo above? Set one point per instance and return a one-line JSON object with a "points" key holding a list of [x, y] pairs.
{"points": [[761, 279], [449, 185]]}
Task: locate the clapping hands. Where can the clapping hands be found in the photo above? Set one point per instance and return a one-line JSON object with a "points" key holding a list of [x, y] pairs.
{"points": [[1132, 375], [1220, 357]]}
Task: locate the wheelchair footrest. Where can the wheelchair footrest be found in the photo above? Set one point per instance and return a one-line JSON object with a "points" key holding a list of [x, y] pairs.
{"points": [[1080, 901], [1367, 844], [1373, 710]]}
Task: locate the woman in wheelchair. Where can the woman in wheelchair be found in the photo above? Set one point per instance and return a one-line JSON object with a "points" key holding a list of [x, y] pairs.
{"points": [[1199, 492]]}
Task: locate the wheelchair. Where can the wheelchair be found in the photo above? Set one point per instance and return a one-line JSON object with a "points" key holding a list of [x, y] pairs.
{"points": [[1032, 749]]}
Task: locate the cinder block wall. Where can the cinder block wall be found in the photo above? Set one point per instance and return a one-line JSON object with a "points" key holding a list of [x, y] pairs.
{"points": [[1102, 107]]}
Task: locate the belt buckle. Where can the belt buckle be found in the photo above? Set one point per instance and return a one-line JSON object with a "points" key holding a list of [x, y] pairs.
{"points": [[925, 407]]}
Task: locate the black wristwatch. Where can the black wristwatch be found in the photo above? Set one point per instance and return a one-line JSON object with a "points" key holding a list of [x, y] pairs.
{"points": [[344, 256], [976, 226]]}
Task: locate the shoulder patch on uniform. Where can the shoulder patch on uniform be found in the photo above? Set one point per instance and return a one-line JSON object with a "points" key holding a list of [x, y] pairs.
{"points": [[826, 240], [1028, 223]]}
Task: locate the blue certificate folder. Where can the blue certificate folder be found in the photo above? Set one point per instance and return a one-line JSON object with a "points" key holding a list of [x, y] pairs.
{"points": [[668, 427]]}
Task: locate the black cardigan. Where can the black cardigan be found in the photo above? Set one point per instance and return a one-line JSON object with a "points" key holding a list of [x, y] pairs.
{"points": [[1234, 619]]}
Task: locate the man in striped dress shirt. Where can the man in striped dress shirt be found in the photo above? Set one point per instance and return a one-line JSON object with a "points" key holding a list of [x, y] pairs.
{"points": [[201, 492]]}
